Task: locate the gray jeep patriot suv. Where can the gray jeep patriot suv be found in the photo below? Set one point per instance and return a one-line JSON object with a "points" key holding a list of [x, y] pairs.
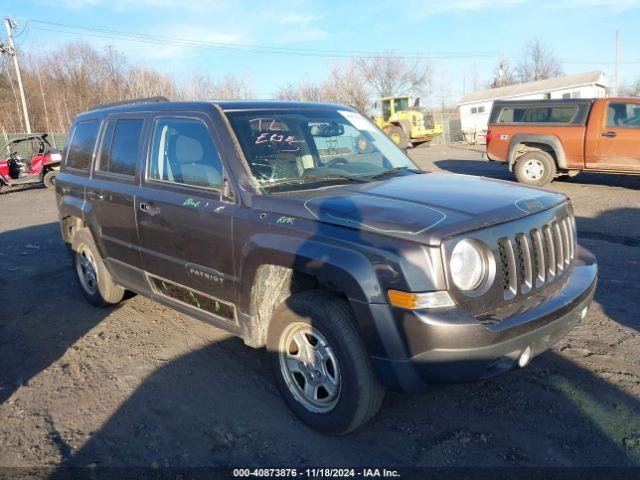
{"points": [[301, 227]]}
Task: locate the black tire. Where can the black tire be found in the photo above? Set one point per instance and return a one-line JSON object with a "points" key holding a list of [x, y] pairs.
{"points": [[360, 393], [105, 291], [397, 135], [49, 179], [536, 168]]}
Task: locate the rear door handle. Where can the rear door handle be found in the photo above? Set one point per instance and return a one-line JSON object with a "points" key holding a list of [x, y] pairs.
{"points": [[149, 208], [609, 134], [95, 196]]}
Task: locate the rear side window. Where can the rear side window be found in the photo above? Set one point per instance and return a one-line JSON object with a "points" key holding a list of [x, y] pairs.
{"points": [[121, 146], [537, 115], [511, 115], [81, 146], [183, 152], [623, 115]]}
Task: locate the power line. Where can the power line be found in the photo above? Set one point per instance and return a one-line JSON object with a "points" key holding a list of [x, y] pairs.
{"points": [[247, 48]]}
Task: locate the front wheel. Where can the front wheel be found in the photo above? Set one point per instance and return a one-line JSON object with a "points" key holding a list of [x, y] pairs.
{"points": [[535, 168], [320, 364], [397, 135]]}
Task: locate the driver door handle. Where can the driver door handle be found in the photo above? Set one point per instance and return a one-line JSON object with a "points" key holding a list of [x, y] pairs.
{"points": [[609, 134], [95, 196], [149, 208]]}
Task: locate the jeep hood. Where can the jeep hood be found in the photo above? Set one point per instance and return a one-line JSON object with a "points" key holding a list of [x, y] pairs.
{"points": [[424, 208]]}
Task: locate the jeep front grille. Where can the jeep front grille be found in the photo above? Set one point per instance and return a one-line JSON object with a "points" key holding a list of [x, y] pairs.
{"points": [[529, 260]]}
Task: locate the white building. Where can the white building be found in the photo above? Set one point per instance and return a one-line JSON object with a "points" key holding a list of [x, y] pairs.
{"points": [[475, 107]]}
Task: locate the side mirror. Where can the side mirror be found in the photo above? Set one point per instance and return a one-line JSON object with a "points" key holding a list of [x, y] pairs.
{"points": [[416, 102]]}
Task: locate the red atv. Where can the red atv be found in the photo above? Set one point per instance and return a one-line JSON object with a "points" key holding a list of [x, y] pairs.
{"points": [[28, 159]]}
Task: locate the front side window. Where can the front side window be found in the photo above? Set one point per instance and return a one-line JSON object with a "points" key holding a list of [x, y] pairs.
{"points": [[81, 146], [121, 146], [183, 152], [623, 115], [302, 147]]}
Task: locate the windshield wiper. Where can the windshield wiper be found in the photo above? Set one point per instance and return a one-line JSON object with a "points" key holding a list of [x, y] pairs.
{"points": [[304, 179], [393, 170]]}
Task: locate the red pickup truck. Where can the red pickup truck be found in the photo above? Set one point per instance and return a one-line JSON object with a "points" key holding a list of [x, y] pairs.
{"points": [[544, 139]]}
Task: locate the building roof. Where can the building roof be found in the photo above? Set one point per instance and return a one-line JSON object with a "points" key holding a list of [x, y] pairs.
{"points": [[568, 81]]}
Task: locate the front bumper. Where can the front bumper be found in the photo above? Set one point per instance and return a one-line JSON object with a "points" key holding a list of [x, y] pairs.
{"points": [[448, 346]]}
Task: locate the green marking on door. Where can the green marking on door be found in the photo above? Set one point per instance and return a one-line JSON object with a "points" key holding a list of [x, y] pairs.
{"points": [[286, 220], [190, 202], [194, 299]]}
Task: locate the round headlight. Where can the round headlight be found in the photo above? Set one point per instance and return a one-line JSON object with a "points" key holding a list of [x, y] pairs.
{"points": [[468, 268]]}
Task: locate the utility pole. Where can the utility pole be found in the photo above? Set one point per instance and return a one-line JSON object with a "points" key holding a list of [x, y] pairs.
{"points": [[12, 51], [616, 74]]}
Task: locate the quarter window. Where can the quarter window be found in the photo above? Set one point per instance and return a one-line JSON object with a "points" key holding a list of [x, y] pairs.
{"points": [[121, 146], [183, 152], [560, 115], [81, 146], [623, 115]]}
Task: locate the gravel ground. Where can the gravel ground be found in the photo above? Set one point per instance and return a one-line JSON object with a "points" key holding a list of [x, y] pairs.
{"points": [[143, 385]]}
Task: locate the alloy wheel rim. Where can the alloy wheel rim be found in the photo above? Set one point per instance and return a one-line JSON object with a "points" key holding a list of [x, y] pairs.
{"points": [[87, 270], [309, 367], [534, 169]]}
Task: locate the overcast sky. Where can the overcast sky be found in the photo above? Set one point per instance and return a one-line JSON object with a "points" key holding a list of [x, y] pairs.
{"points": [[467, 36]]}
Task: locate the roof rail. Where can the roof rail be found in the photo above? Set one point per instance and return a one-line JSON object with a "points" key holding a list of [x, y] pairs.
{"points": [[132, 101]]}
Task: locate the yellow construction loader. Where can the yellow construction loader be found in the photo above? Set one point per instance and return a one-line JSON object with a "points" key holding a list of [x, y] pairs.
{"points": [[405, 125]]}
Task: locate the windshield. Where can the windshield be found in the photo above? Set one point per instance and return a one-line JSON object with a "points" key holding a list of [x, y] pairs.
{"points": [[298, 148]]}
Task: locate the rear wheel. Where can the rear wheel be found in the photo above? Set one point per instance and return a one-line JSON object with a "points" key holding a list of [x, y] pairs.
{"points": [[397, 135], [536, 168], [49, 179], [93, 277], [320, 364]]}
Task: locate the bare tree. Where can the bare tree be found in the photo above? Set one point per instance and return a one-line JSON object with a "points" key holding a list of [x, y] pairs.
{"points": [[305, 91], [631, 90], [503, 75], [389, 74], [200, 86], [144, 82], [346, 85], [538, 62]]}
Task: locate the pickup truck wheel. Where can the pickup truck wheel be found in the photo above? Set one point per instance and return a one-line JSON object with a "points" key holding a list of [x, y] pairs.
{"points": [[320, 364], [398, 136], [95, 280], [535, 168]]}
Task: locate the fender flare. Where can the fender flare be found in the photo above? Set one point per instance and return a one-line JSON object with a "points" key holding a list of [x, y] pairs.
{"points": [[331, 264], [550, 141]]}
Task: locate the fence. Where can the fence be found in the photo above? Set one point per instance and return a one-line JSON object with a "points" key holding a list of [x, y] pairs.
{"points": [[452, 130]]}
